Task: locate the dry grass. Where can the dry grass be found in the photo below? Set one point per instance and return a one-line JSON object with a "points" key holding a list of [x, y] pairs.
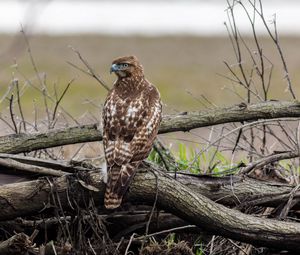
{"points": [[175, 64]]}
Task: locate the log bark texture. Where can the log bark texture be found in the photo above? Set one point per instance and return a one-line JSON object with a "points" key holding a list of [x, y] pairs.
{"points": [[17, 244], [18, 143], [25, 198]]}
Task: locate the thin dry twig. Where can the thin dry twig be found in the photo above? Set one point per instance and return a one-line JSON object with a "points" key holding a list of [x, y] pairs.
{"points": [[245, 126], [167, 231], [152, 210], [268, 160], [58, 101], [11, 111], [129, 243], [90, 70], [16, 83], [275, 39]]}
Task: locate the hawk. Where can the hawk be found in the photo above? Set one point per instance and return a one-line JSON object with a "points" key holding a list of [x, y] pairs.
{"points": [[131, 117]]}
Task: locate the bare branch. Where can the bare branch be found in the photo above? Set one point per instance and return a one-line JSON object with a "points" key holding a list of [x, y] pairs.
{"points": [[11, 111], [90, 71], [268, 160], [16, 82], [171, 123], [59, 100]]}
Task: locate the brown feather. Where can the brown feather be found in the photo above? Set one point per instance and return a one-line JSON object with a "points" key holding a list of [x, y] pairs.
{"points": [[131, 117]]}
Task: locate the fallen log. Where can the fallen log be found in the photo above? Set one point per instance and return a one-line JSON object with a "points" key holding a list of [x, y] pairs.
{"points": [[229, 190], [25, 198], [18, 143], [17, 244]]}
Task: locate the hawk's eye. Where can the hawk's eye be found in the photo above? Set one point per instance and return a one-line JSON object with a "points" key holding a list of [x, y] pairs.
{"points": [[125, 65]]}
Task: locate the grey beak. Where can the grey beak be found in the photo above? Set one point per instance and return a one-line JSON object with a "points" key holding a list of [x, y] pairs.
{"points": [[114, 68]]}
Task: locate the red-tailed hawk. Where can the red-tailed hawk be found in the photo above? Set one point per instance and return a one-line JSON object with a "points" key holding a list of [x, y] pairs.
{"points": [[131, 117]]}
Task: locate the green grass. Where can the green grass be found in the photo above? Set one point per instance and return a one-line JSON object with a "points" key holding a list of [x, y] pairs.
{"points": [[189, 159], [199, 251]]}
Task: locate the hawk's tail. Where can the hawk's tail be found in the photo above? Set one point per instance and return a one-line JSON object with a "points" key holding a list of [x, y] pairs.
{"points": [[119, 178]]}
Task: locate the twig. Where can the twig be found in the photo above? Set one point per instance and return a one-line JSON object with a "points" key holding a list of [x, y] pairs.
{"points": [[31, 56], [7, 123], [152, 210], [167, 231], [45, 96], [59, 100], [288, 205], [118, 246], [239, 248], [16, 82], [275, 39], [247, 125], [50, 98], [129, 243], [267, 160], [90, 69], [11, 111], [155, 147], [90, 245]]}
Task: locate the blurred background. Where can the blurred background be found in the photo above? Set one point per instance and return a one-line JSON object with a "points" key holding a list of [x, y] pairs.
{"points": [[181, 43]]}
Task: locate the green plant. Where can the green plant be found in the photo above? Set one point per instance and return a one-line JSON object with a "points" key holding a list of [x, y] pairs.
{"points": [[189, 159], [170, 240], [155, 157], [199, 251]]}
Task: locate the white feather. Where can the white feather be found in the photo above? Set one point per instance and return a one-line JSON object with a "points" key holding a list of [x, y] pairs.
{"points": [[103, 170]]}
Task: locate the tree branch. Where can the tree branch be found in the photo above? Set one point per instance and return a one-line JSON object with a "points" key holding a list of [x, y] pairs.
{"points": [[18, 143], [269, 159], [17, 244]]}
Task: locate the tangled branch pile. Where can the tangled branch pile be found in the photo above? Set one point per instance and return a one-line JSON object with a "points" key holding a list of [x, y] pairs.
{"points": [[248, 208]]}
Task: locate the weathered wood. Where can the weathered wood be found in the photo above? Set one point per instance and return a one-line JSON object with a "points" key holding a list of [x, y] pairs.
{"points": [[229, 190], [268, 160], [17, 244], [9, 165], [18, 143], [239, 190], [61, 165], [31, 197], [212, 217]]}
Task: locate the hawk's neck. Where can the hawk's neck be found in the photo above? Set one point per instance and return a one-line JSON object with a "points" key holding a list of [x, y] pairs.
{"points": [[130, 85]]}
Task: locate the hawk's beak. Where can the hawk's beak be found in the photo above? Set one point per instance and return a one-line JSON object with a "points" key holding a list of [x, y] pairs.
{"points": [[114, 68]]}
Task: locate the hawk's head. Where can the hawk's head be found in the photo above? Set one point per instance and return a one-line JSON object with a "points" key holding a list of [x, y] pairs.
{"points": [[127, 66]]}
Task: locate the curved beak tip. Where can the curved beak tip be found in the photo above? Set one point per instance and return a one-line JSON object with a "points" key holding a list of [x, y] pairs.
{"points": [[113, 68]]}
